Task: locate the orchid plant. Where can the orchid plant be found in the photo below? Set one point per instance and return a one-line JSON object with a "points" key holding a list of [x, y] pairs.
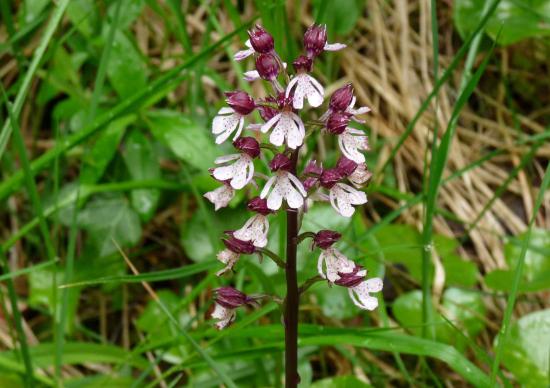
{"points": [[287, 189]]}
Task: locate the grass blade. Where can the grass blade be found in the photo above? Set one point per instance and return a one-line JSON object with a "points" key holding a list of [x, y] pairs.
{"points": [[38, 54], [504, 328]]}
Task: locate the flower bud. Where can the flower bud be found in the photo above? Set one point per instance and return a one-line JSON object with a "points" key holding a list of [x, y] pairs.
{"points": [[346, 166], [341, 98], [261, 40], [280, 162], [330, 177], [353, 278], [313, 169], [240, 101], [303, 64], [231, 298], [315, 39], [267, 66], [248, 145], [337, 122], [238, 246], [310, 182], [324, 239], [259, 205]]}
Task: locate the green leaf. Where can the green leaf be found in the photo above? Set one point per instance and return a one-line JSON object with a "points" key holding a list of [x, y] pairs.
{"points": [[402, 244], [142, 163], [125, 69], [189, 141], [527, 350], [536, 271], [341, 16], [464, 308], [84, 16], [41, 293], [131, 9], [340, 382], [33, 8], [195, 237], [107, 219], [519, 19], [104, 149]]}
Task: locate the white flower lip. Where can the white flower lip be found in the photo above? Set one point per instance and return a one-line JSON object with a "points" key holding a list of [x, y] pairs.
{"points": [[305, 86], [240, 172], [285, 125], [331, 261], [343, 197], [225, 123], [285, 187]]}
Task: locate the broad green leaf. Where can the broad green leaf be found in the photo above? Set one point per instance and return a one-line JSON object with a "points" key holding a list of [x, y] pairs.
{"points": [[195, 237], [464, 308], [142, 163], [527, 350], [41, 293], [341, 16], [519, 19], [189, 141], [11, 381], [340, 382], [32, 9], [536, 271], [402, 244], [130, 10], [126, 69], [107, 219], [84, 16], [104, 149]]}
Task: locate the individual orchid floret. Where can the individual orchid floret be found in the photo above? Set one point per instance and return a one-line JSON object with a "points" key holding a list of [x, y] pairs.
{"points": [[234, 248], [352, 141], [313, 169], [345, 166], [304, 86], [241, 171], [332, 263], [267, 66], [283, 185], [343, 101], [337, 122], [360, 288], [325, 238], [221, 196], [257, 227], [315, 41], [312, 174], [231, 119], [227, 300], [360, 176], [286, 126], [260, 41], [341, 98], [342, 196]]}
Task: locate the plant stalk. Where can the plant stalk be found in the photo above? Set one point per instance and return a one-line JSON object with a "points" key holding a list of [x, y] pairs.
{"points": [[292, 299]]}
